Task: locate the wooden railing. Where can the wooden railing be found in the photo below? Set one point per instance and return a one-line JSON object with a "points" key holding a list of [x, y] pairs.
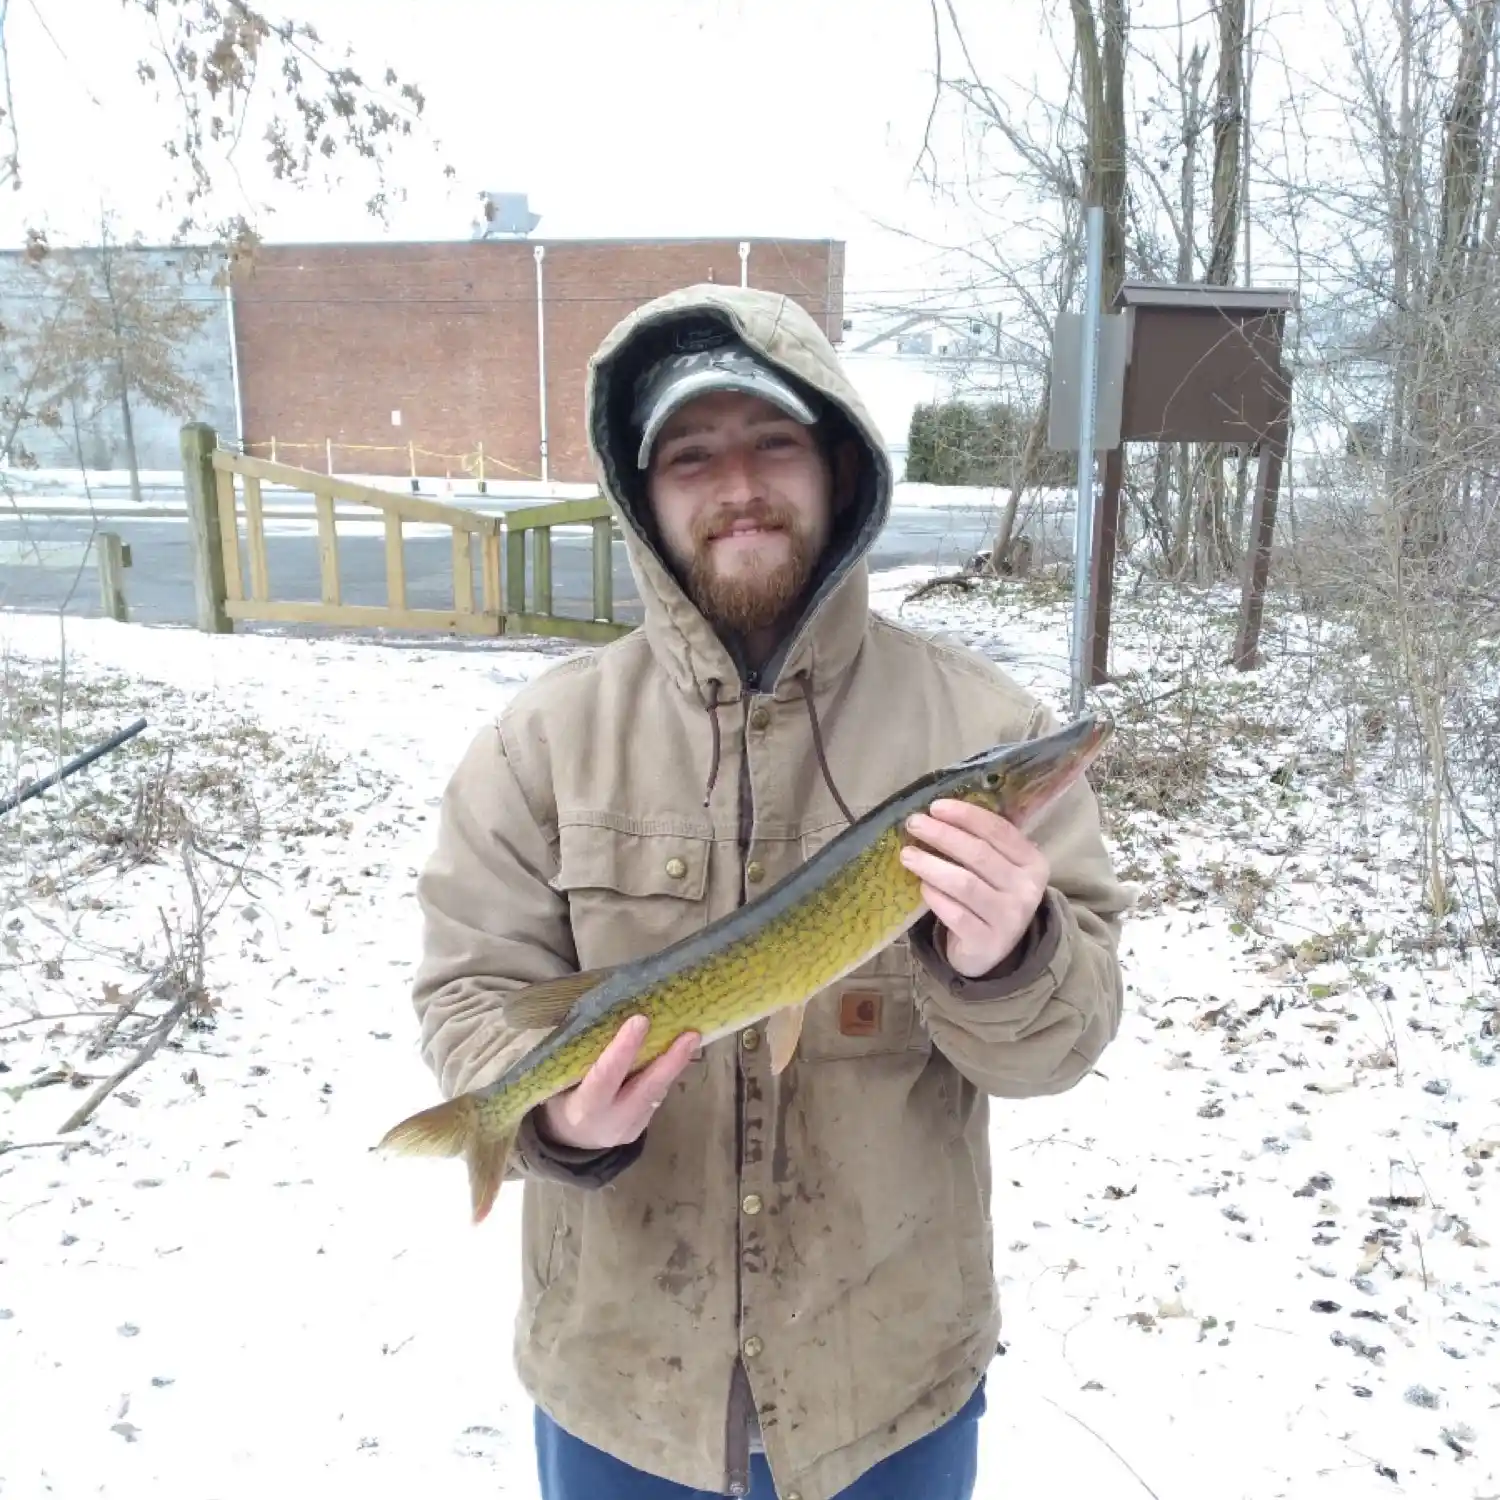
{"points": [[538, 521], [224, 491]]}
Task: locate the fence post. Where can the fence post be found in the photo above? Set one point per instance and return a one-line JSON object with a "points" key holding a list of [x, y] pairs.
{"points": [[112, 577], [202, 492], [604, 564]]}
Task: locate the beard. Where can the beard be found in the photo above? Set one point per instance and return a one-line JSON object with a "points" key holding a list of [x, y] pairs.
{"points": [[755, 596]]}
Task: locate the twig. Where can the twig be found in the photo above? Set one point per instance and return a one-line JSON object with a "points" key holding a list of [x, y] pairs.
{"points": [[157, 1037], [958, 580], [71, 1015], [8, 1146], [122, 1011], [1416, 1240], [1107, 1444]]}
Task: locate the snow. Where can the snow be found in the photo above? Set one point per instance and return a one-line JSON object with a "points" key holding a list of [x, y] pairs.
{"points": [[1255, 1257]]}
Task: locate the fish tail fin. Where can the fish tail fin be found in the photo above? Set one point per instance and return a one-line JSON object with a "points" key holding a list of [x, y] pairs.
{"points": [[455, 1128], [443, 1130]]}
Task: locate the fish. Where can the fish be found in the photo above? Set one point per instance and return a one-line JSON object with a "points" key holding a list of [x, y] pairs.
{"points": [[764, 961]]}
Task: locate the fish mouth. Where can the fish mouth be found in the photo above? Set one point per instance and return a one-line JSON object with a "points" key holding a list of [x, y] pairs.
{"points": [[1074, 744], [1033, 774]]}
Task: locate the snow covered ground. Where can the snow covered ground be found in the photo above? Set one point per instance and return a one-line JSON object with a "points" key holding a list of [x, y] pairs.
{"points": [[1255, 1258]]}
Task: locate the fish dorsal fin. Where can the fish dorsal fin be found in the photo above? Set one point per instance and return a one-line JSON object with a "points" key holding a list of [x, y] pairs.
{"points": [[551, 1002], [783, 1032]]}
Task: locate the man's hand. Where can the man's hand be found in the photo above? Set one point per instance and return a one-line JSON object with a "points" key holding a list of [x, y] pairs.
{"points": [[606, 1107], [987, 889]]}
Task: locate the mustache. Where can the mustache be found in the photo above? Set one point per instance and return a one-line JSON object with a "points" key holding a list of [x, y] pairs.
{"points": [[768, 514]]}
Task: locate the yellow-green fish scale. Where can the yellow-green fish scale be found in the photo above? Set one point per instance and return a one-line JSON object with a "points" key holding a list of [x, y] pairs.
{"points": [[860, 909]]}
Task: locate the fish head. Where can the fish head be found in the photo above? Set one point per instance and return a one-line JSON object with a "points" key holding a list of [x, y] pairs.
{"points": [[1021, 781]]}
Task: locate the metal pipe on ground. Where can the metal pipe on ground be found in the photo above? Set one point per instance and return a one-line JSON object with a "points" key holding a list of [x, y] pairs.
{"points": [[85, 758]]}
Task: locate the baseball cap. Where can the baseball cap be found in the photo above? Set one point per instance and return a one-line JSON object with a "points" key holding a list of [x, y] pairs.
{"points": [[707, 359]]}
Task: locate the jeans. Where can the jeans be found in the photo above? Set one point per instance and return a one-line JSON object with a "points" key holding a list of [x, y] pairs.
{"points": [[940, 1466]]}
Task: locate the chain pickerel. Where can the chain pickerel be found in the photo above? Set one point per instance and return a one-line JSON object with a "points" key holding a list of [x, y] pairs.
{"points": [[763, 961]]}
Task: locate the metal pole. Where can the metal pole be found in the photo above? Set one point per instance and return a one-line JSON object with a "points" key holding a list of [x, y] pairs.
{"points": [[541, 357], [234, 361], [88, 757], [1083, 520]]}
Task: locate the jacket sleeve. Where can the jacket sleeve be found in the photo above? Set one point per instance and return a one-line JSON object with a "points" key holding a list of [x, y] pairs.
{"points": [[1039, 1022], [491, 923]]}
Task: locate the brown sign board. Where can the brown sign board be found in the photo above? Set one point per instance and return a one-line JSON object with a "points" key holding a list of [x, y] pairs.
{"points": [[1203, 363]]}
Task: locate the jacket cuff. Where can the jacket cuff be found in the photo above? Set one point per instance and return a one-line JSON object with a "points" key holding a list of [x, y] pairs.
{"points": [[1026, 963], [574, 1165]]}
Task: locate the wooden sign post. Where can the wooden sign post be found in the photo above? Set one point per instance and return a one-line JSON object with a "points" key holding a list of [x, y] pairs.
{"points": [[1202, 365]]}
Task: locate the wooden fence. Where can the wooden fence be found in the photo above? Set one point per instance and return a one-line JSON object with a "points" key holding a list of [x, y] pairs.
{"points": [[111, 555], [232, 577]]}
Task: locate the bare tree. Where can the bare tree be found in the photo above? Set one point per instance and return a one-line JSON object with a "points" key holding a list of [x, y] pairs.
{"points": [[1101, 39], [1022, 154], [1170, 211], [1406, 542], [122, 323], [1216, 549], [222, 68], [1166, 160]]}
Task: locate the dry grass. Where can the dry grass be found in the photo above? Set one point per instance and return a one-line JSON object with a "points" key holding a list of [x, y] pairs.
{"points": [[167, 828]]}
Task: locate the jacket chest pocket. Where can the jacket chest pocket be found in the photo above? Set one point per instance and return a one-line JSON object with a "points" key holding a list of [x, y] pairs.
{"points": [[630, 894], [870, 1013]]}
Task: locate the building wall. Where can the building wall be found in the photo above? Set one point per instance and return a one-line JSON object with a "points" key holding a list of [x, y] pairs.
{"points": [[336, 340], [24, 308]]}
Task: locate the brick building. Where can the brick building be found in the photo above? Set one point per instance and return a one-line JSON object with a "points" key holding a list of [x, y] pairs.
{"points": [[376, 346]]}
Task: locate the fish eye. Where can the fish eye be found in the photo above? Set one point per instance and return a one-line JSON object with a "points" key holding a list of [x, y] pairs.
{"points": [[992, 779]]}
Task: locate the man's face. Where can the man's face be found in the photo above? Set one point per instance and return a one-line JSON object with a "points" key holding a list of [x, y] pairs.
{"points": [[743, 499]]}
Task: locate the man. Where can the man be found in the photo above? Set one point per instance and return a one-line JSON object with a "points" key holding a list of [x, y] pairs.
{"points": [[730, 1277]]}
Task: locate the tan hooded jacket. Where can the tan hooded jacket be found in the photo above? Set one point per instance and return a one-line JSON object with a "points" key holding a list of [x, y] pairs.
{"points": [[812, 1253]]}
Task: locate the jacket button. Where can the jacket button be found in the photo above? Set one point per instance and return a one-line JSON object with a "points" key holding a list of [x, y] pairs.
{"points": [[676, 868], [760, 716], [751, 1203], [753, 1346], [755, 872], [793, 1495], [750, 1039]]}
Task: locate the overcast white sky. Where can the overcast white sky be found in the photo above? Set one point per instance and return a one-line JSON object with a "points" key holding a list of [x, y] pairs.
{"points": [[618, 117]]}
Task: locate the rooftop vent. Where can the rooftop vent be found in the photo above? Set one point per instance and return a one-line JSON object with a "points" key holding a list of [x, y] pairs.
{"points": [[502, 214]]}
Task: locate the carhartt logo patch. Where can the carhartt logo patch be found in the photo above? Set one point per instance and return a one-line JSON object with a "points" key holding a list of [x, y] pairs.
{"points": [[859, 1013]]}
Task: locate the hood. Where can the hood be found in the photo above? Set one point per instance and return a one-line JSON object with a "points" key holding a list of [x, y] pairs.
{"points": [[827, 634]]}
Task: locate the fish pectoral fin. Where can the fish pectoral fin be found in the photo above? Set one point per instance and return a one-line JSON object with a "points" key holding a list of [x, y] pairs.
{"points": [[783, 1032], [551, 1002], [488, 1160], [454, 1128]]}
